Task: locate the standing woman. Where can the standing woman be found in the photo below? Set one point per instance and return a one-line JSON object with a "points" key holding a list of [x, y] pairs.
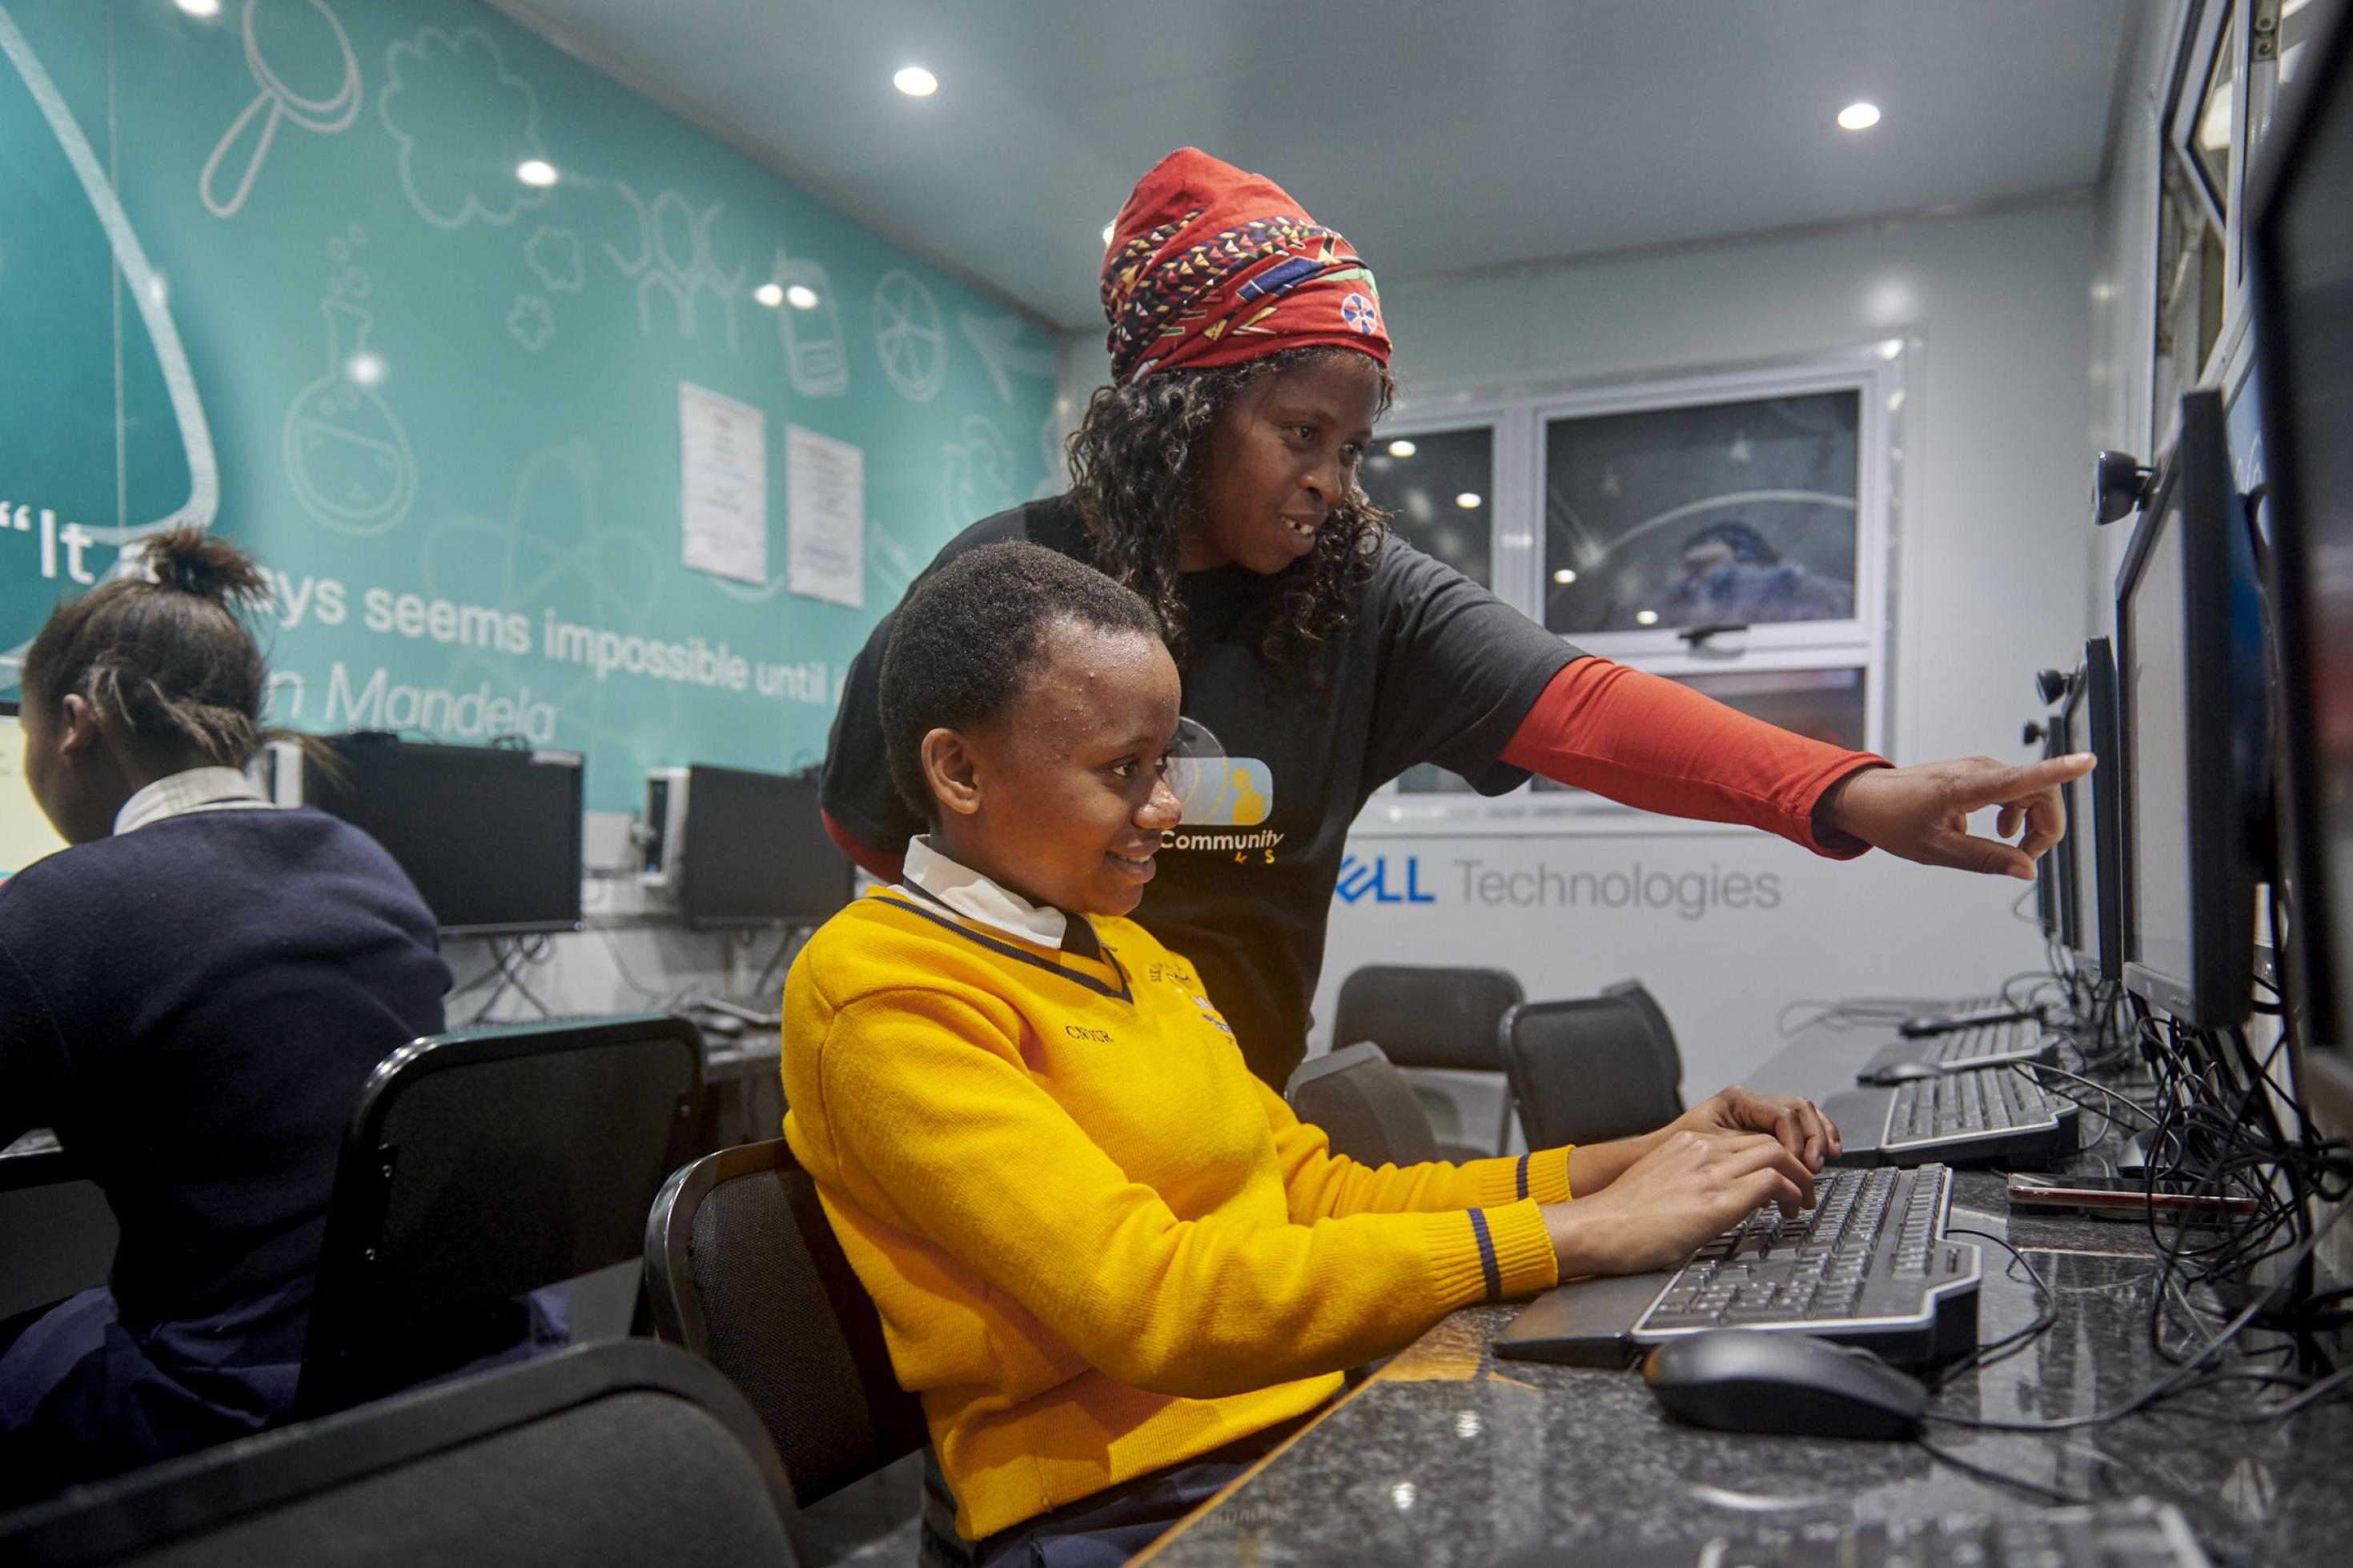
{"points": [[191, 996], [1217, 477]]}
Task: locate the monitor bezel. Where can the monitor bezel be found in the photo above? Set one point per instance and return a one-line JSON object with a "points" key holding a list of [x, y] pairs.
{"points": [[2219, 990], [2322, 1039], [2090, 716], [575, 765], [2052, 892]]}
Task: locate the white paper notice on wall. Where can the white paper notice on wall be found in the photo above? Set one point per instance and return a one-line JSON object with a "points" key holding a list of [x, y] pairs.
{"points": [[723, 485], [824, 511]]}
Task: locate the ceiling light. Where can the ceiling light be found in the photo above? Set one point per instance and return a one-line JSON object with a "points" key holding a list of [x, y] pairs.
{"points": [[1107, 233], [204, 9], [1402, 449], [915, 82], [1469, 500], [1563, 576], [363, 368], [535, 172], [1646, 618], [770, 294], [801, 297], [1858, 117]]}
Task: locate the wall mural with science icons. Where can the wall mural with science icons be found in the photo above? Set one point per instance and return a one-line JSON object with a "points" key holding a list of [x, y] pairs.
{"points": [[551, 415]]}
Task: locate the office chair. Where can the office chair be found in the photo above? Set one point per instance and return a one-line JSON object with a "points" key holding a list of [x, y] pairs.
{"points": [[1364, 1105], [1586, 1071], [625, 1454], [480, 1166], [743, 1269], [1663, 1033], [1425, 1017]]}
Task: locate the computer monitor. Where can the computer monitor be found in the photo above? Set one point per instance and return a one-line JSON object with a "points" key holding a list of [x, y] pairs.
{"points": [[2051, 872], [24, 832], [739, 848], [491, 835], [2300, 266], [2088, 876], [2193, 679]]}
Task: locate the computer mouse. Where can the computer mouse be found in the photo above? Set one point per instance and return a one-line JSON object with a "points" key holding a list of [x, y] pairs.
{"points": [[1760, 1380], [1902, 1072]]}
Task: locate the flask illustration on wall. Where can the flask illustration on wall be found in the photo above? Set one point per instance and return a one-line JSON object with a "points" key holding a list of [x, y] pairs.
{"points": [[346, 456]]}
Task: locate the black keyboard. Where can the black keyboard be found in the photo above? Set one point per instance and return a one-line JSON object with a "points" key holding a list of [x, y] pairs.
{"points": [[1868, 1265], [2139, 1532], [1989, 1114], [1987, 1045]]}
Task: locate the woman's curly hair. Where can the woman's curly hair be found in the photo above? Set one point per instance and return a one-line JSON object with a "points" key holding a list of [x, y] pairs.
{"points": [[1138, 462]]}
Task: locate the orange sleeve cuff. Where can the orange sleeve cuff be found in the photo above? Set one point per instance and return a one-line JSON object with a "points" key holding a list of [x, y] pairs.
{"points": [[1643, 740]]}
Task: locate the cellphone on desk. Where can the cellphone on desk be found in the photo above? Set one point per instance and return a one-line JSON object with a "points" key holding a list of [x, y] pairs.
{"points": [[2118, 1196]]}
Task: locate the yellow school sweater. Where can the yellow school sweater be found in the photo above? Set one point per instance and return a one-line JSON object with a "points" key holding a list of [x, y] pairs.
{"points": [[1097, 1244]]}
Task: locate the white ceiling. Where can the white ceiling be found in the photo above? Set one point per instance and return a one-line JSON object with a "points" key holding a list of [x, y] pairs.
{"points": [[1437, 137]]}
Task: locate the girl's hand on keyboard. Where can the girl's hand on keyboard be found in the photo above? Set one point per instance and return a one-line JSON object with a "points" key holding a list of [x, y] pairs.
{"points": [[1799, 1125], [1693, 1187]]}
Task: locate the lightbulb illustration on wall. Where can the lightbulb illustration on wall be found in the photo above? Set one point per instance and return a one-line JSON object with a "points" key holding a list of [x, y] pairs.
{"points": [[347, 455], [815, 356]]}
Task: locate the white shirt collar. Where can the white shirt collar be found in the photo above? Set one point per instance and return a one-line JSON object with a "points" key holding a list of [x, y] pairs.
{"points": [[981, 899], [197, 789]]}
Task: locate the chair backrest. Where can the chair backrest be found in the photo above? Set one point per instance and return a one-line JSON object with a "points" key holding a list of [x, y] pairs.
{"points": [[1364, 1105], [1427, 1017], [627, 1454], [480, 1166], [743, 1269], [1663, 1033], [1585, 1071]]}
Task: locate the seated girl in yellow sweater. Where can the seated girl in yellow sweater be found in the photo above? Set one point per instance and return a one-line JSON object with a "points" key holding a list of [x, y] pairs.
{"points": [[1110, 1261]]}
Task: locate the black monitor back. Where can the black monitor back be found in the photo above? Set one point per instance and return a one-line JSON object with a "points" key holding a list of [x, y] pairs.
{"points": [[490, 834], [757, 851], [2191, 677], [2093, 921]]}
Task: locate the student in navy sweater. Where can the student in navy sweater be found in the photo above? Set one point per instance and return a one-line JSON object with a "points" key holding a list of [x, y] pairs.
{"points": [[190, 994]]}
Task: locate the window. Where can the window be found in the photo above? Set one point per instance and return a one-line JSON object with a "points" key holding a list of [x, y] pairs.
{"points": [[1729, 531], [1438, 488], [2201, 170], [1728, 515], [2213, 125]]}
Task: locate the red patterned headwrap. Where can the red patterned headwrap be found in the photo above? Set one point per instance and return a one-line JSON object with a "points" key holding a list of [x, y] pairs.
{"points": [[1210, 266]]}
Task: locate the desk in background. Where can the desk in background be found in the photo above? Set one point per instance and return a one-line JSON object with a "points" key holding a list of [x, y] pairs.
{"points": [[1449, 1455]]}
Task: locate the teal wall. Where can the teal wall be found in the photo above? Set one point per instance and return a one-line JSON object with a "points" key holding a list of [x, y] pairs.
{"points": [[202, 224]]}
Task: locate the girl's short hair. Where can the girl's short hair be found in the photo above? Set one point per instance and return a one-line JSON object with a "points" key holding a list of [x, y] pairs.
{"points": [[965, 640]]}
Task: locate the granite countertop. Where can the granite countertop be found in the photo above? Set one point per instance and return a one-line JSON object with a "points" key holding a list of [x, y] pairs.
{"points": [[1450, 1455]]}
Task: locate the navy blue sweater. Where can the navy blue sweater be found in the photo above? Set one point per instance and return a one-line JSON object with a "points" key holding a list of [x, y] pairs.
{"points": [[193, 1006]]}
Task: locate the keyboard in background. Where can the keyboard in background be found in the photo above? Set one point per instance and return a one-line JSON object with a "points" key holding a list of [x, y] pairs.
{"points": [[1977, 1115], [1868, 1265], [2139, 1532], [1987, 1045]]}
